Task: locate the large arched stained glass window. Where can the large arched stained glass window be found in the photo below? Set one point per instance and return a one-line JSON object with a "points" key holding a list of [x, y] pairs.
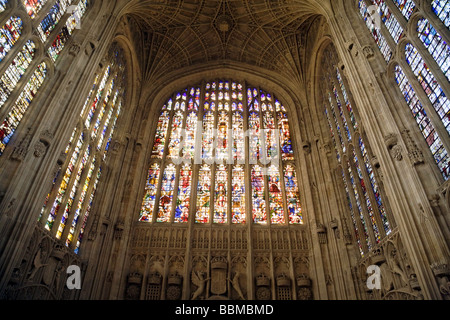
{"points": [[222, 154]]}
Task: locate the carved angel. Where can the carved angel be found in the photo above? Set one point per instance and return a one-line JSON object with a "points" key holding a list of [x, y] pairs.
{"points": [[198, 279], [37, 264], [236, 285]]}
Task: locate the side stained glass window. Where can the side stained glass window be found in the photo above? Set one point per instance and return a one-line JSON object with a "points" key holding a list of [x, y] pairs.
{"points": [[69, 202], [363, 194], [232, 150], [432, 106], [13, 119]]}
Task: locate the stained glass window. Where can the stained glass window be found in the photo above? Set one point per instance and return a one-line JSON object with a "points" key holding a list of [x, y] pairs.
{"points": [[13, 119], [166, 198], [72, 195], [375, 30], [429, 84], [33, 7], [204, 195], [293, 195], [3, 4], [15, 71], [150, 193], [52, 19], [238, 195], [363, 195], [424, 123], [406, 7], [9, 34], [72, 23], [183, 204], [233, 150], [437, 47], [275, 196], [258, 195], [221, 195], [442, 10], [438, 50]]}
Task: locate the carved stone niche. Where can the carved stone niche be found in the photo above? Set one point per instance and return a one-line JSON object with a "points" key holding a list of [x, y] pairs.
{"points": [[394, 148], [307, 147], [368, 52]]}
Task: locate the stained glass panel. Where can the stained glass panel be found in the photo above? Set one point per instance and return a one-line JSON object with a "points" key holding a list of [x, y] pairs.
{"points": [[9, 35], [204, 195], [221, 195], [167, 189], [183, 204], [238, 195], [150, 193], [293, 196]]}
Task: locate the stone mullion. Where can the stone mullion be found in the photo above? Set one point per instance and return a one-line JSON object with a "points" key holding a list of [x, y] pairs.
{"points": [[102, 148], [100, 73], [230, 159], [335, 129], [426, 104], [338, 118]]}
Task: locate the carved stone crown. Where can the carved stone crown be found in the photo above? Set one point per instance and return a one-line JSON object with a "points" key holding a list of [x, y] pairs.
{"points": [[262, 281], [154, 278], [58, 252], [134, 278], [219, 263], [283, 281], [174, 279], [378, 257], [440, 269], [303, 280]]}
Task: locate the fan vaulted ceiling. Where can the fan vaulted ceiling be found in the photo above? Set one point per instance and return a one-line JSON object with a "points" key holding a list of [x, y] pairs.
{"points": [[171, 34]]}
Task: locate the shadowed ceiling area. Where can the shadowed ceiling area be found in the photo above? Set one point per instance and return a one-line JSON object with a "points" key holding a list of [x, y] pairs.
{"points": [[172, 34]]}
